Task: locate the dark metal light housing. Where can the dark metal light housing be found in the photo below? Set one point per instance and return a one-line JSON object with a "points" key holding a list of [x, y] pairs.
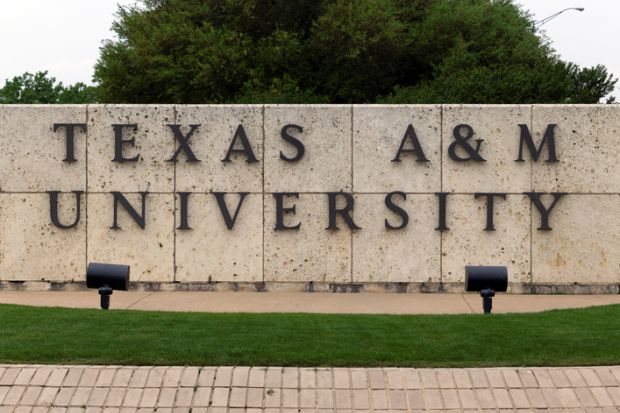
{"points": [[107, 277], [487, 280]]}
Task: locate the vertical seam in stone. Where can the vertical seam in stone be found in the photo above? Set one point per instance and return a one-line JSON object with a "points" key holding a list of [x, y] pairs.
{"points": [[441, 108], [352, 194], [263, 195], [86, 190], [174, 205], [531, 209]]}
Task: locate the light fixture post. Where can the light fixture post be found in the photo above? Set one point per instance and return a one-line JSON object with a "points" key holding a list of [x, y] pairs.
{"points": [[554, 15]]}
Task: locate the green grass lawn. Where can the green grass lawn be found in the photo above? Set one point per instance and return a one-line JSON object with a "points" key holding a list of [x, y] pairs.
{"points": [[554, 338]]}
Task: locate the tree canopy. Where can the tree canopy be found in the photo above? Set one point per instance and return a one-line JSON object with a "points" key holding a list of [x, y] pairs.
{"points": [[325, 51], [42, 88], [337, 51]]}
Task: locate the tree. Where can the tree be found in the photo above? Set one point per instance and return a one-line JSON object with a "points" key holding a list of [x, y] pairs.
{"points": [[41, 88], [337, 51]]}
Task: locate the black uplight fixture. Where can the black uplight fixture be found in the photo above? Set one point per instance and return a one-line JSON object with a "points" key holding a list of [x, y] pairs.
{"points": [[107, 278], [487, 280]]}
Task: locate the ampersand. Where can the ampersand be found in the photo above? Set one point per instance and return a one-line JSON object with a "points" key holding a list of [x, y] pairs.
{"points": [[462, 141]]}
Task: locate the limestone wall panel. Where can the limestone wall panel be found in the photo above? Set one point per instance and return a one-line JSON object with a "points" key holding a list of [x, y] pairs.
{"points": [[311, 253], [467, 243], [497, 128], [410, 254], [32, 154], [348, 148], [210, 143], [377, 135], [153, 143], [148, 251], [582, 246], [212, 251], [326, 136], [32, 248], [587, 139]]}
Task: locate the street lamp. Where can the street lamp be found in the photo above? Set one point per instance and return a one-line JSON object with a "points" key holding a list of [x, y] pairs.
{"points": [[553, 16]]}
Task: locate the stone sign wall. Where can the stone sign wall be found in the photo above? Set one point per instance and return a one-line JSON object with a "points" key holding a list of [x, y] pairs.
{"points": [[311, 197]]}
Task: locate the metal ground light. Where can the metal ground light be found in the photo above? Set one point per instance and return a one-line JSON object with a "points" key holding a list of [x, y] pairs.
{"points": [[107, 278], [487, 280]]}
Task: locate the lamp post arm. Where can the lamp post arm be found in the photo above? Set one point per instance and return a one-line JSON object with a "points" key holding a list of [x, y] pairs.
{"points": [[554, 15]]}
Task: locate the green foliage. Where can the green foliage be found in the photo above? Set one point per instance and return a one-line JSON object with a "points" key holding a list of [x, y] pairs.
{"points": [[41, 88], [77, 93], [589, 84], [59, 335], [338, 51]]}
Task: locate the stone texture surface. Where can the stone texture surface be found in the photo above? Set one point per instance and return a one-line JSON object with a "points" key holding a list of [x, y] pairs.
{"points": [[153, 142], [210, 251], [210, 143], [31, 159], [377, 135], [410, 254], [148, 251], [311, 253], [583, 241], [347, 148], [587, 145], [326, 165], [36, 249], [405, 390], [498, 126], [466, 243]]}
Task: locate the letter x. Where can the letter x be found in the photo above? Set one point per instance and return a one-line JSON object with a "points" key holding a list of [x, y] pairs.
{"points": [[183, 143]]}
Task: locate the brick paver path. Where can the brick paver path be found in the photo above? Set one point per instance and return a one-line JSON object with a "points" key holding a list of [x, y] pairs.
{"points": [[27, 388]]}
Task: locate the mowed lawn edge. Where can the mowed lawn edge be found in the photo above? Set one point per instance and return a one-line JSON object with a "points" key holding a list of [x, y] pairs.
{"points": [[589, 336]]}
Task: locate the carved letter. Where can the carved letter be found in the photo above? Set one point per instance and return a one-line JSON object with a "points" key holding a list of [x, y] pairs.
{"points": [[417, 148], [443, 201], [183, 143], [397, 210], [294, 141], [54, 209], [281, 210], [183, 200], [548, 138], [69, 138], [463, 141], [490, 196], [138, 218], [344, 212], [247, 149], [544, 211], [119, 142], [230, 221]]}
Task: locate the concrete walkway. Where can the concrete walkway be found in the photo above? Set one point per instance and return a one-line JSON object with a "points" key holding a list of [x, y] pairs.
{"points": [[362, 303], [284, 390]]}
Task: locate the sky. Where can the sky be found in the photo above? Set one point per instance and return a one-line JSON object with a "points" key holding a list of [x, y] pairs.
{"points": [[587, 38], [64, 36]]}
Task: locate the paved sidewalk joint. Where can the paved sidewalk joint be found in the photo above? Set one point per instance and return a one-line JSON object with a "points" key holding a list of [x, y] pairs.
{"points": [[26, 388]]}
